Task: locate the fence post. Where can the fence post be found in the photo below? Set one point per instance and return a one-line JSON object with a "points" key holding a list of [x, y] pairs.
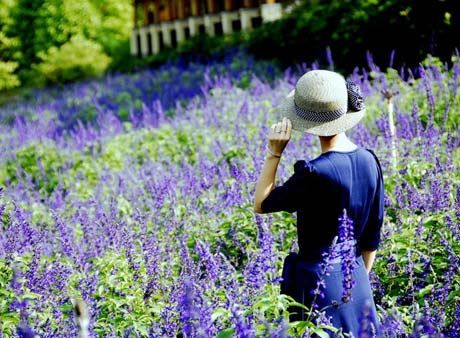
{"points": [[388, 94], [81, 317]]}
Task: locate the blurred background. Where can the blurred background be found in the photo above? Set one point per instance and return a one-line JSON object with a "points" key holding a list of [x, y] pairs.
{"points": [[57, 41]]}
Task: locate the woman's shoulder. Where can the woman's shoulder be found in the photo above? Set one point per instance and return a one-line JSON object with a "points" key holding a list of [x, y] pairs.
{"points": [[372, 152], [374, 155], [363, 156]]}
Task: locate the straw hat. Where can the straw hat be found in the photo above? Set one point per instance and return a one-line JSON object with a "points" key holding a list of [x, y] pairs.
{"points": [[323, 103]]}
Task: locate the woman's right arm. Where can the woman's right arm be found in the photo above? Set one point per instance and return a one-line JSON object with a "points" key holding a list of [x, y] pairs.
{"points": [[278, 138], [369, 257]]}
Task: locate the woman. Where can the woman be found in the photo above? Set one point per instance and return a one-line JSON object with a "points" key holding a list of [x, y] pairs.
{"points": [[344, 176]]}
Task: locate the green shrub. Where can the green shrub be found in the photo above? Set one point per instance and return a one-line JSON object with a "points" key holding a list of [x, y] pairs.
{"points": [[351, 28], [8, 54], [8, 79], [76, 59], [42, 163]]}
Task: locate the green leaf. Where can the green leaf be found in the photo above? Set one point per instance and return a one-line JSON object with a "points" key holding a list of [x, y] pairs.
{"points": [[426, 290], [219, 312], [227, 333], [321, 333]]}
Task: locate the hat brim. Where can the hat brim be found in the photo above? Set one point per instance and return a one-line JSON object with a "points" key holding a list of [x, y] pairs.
{"points": [[343, 123]]}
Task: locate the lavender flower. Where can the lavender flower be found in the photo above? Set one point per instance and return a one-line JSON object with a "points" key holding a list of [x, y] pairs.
{"points": [[392, 57], [24, 331], [157, 189], [325, 266], [347, 253], [366, 326], [428, 89], [330, 61], [188, 311], [243, 327]]}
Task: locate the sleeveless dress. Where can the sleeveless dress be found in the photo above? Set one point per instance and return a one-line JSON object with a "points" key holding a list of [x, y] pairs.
{"points": [[318, 191]]}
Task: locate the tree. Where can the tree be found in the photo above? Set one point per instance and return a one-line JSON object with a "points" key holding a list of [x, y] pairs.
{"points": [[22, 27], [39, 29], [8, 49]]}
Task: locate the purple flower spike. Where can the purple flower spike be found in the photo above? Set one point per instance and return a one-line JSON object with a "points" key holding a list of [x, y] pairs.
{"points": [[366, 326], [428, 89], [243, 327], [24, 331], [347, 254]]}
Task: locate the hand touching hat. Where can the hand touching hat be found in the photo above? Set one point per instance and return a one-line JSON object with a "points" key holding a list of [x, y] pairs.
{"points": [[279, 136]]}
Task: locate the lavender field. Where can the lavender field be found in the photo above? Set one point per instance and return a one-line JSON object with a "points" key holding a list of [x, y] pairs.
{"points": [[135, 194]]}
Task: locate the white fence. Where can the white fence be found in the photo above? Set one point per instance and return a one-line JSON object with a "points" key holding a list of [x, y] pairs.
{"points": [[151, 39]]}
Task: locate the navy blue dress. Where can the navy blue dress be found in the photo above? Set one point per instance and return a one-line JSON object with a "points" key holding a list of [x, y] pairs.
{"points": [[318, 191]]}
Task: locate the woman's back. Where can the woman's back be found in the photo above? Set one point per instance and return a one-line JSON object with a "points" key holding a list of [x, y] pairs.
{"points": [[320, 189]]}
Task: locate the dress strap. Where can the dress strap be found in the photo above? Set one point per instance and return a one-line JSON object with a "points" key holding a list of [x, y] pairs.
{"points": [[376, 158]]}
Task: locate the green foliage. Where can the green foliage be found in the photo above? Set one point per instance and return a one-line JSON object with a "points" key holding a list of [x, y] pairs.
{"points": [[8, 319], [350, 28], [114, 28], [121, 297], [5, 9], [41, 163], [404, 247], [8, 79], [44, 165], [207, 45], [61, 37], [59, 20], [107, 22], [22, 27], [154, 145], [76, 59], [120, 290]]}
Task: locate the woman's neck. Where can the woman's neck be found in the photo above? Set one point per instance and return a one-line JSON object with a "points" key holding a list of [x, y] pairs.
{"points": [[338, 142]]}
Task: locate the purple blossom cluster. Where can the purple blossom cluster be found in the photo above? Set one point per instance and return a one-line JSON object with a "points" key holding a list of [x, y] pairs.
{"points": [[147, 215], [347, 252], [325, 267], [366, 326]]}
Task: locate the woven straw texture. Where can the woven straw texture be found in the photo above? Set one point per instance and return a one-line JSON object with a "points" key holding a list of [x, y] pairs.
{"points": [[320, 91]]}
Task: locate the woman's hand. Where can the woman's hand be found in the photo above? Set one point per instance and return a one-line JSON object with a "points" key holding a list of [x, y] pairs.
{"points": [[279, 136]]}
